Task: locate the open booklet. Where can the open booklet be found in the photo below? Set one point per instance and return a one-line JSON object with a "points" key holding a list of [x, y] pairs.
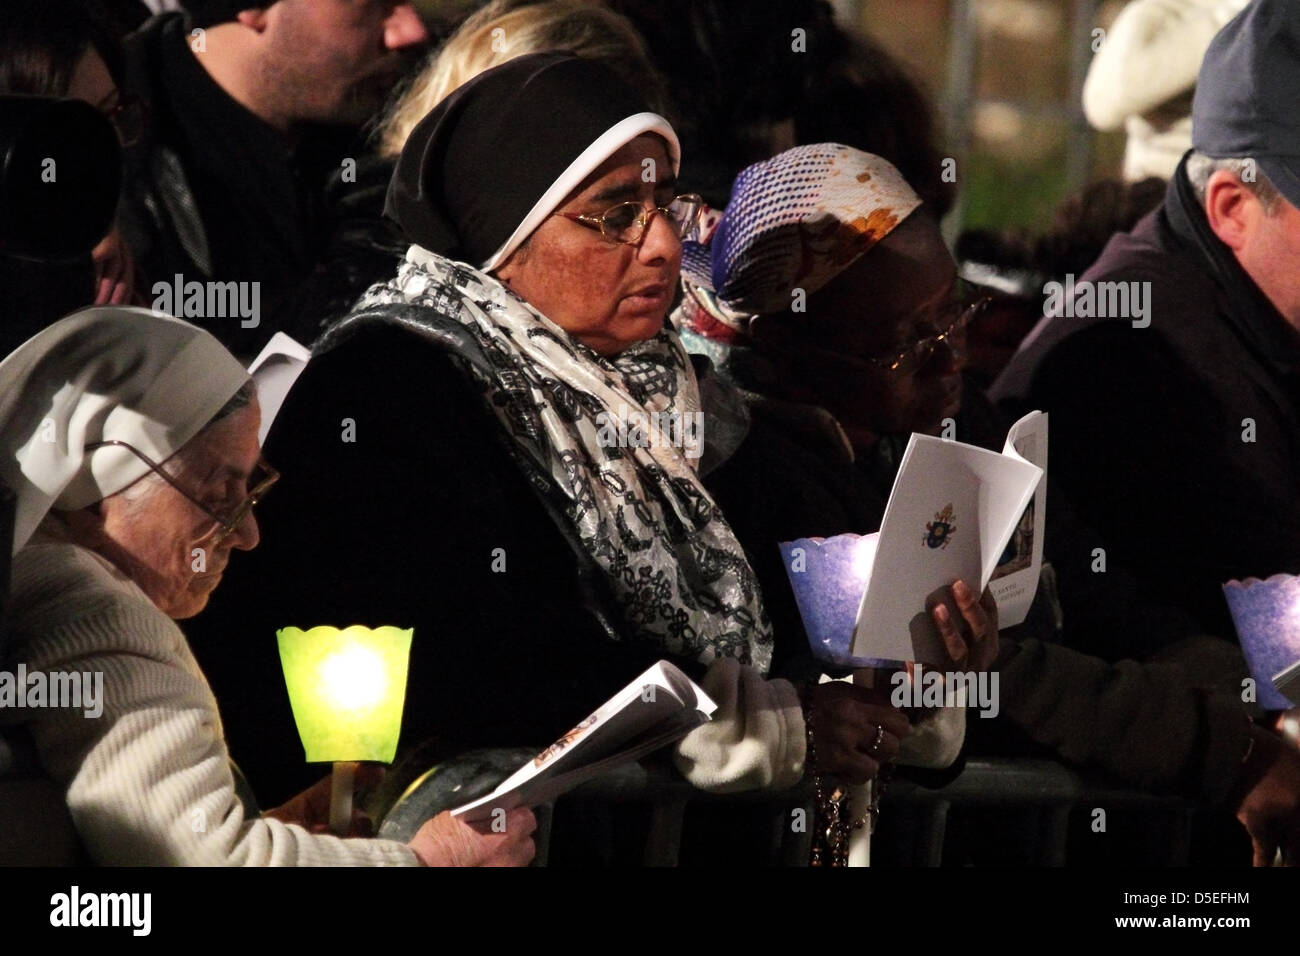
{"points": [[952, 513], [1015, 579], [659, 707]]}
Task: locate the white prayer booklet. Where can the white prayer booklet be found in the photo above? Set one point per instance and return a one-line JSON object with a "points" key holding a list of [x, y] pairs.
{"points": [[951, 514], [659, 707], [275, 370], [1015, 579]]}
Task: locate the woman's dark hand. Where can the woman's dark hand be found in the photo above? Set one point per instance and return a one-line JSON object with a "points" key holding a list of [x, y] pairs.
{"points": [[855, 730], [973, 644]]}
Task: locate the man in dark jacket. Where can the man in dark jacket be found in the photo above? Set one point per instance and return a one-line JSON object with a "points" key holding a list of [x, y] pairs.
{"points": [[249, 112], [1176, 425]]}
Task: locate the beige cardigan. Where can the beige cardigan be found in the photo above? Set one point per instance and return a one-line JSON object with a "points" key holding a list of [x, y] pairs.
{"points": [[148, 782]]}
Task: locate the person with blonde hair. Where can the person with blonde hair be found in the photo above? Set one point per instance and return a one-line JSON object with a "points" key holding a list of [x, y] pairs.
{"points": [[365, 247], [505, 29]]}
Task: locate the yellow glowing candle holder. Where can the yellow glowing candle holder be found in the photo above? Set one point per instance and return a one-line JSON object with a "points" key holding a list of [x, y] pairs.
{"points": [[347, 689]]}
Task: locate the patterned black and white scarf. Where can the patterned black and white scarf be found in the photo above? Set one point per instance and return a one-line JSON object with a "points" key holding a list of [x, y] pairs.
{"points": [[634, 496]]}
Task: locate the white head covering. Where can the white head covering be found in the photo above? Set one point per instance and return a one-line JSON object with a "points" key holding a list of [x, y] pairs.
{"points": [[109, 372], [796, 220]]}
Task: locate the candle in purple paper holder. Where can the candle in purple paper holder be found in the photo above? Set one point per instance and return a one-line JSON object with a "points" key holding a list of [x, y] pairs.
{"points": [[828, 576], [1267, 617]]}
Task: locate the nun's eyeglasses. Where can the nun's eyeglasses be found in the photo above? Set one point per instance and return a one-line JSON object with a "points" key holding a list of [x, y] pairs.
{"points": [[262, 478], [628, 221]]}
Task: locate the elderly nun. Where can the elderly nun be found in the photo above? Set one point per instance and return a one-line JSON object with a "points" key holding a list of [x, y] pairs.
{"points": [[500, 447], [130, 440]]}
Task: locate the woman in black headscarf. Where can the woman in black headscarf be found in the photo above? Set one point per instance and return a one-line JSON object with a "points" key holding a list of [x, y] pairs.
{"points": [[501, 448]]}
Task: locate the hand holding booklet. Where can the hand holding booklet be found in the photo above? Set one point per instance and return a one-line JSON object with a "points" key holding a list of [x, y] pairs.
{"points": [[953, 511], [659, 707]]}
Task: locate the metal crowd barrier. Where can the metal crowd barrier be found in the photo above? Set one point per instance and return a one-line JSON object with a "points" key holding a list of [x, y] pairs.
{"points": [[995, 811], [1038, 807]]}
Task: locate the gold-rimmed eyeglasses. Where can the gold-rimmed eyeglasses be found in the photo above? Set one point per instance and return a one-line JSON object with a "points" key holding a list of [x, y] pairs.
{"points": [[953, 323], [261, 480], [627, 222]]}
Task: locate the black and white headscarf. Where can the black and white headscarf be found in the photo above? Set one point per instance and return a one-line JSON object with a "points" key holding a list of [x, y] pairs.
{"points": [[679, 574]]}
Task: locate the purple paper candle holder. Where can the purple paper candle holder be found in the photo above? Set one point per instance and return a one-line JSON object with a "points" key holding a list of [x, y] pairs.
{"points": [[828, 576], [1267, 616]]}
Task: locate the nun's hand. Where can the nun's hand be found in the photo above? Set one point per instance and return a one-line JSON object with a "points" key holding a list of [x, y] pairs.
{"points": [[854, 730], [973, 642], [447, 841], [311, 808]]}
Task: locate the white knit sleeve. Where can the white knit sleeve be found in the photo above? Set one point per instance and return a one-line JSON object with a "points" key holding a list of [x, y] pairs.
{"points": [[148, 780], [756, 737], [936, 738]]}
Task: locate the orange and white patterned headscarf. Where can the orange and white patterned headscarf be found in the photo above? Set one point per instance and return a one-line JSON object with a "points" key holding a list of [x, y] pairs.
{"points": [[794, 221]]}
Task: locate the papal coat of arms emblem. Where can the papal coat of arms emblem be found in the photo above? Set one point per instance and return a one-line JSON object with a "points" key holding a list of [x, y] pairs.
{"points": [[940, 531]]}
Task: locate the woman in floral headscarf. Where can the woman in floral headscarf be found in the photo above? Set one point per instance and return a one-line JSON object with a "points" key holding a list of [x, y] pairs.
{"points": [[847, 337]]}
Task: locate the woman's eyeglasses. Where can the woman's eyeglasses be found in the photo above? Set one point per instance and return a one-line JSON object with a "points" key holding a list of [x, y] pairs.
{"points": [[628, 221], [958, 317], [262, 478]]}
